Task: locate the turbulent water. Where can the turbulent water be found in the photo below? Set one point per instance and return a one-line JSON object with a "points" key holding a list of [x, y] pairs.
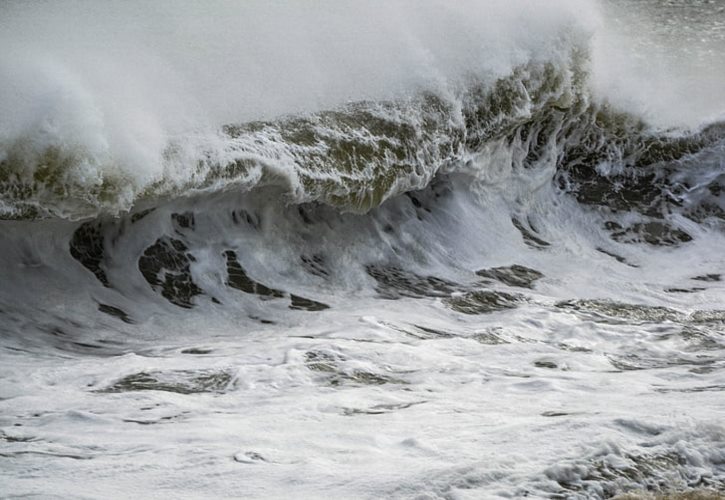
{"points": [[362, 250]]}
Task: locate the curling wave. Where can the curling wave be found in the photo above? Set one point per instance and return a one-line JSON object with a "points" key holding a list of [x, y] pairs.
{"points": [[357, 156]]}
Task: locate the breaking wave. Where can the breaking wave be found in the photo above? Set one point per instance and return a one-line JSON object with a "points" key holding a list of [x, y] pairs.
{"points": [[388, 211]]}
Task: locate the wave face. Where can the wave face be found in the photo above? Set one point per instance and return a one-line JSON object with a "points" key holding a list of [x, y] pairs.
{"points": [[404, 250]]}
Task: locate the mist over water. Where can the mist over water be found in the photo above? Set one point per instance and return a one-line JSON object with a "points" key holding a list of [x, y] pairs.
{"points": [[663, 59], [363, 249]]}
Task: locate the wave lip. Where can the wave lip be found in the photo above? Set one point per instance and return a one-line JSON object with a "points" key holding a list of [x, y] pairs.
{"points": [[116, 112], [540, 118], [353, 157]]}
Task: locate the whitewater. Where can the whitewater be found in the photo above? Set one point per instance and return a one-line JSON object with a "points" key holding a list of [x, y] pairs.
{"points": [[405, 249]]}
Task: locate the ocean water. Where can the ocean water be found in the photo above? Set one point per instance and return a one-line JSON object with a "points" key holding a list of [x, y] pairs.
{"points": [[407, 249]]}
